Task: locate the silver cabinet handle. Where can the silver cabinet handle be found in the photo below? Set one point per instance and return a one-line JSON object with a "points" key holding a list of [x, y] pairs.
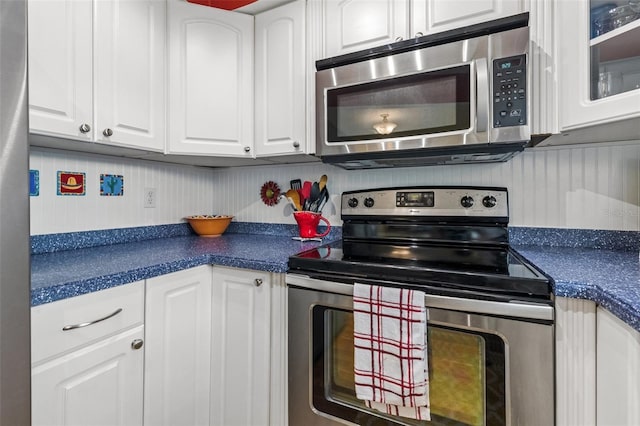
{"points": [[85, 128], [137, 344], [296, 144], [399, 38], [247, 148], [86, 324], [258, 282], [107, 132]]}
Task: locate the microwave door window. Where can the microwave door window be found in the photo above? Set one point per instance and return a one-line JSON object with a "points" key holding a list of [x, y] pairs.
{"points": [[419, 104]]}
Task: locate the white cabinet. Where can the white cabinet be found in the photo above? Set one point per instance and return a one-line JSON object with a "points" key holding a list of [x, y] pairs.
{"points": [[618, 379], [96, 71], [210, 81], [178, 345], [432, 16], [130, 73], [280, 80], [599, 77], [60, 67], [240, 357], [87, 359], [353, 25]]}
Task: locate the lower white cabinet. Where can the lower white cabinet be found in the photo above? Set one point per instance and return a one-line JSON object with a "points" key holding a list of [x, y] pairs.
{"points": [[618, 371], [214, 352], [91, 372], [240, 355], [100, 384], [178, 345]]}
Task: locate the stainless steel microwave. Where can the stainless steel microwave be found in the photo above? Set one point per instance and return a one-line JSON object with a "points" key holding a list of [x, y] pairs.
{"points": [[455, 97]]}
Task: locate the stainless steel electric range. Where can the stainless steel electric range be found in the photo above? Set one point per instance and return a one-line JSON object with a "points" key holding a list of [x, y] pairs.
{"points": [[490, 312]]}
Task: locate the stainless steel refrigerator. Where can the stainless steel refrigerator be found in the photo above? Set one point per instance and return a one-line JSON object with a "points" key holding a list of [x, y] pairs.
{"points": [[15, 358]]}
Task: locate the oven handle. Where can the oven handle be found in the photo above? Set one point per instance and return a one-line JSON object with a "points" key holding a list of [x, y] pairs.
{"points": [[517, 309]]}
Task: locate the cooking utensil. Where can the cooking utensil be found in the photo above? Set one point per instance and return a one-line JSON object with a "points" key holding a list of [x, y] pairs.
{"points": [[294, 197], [324, 197], [322, 182], [296, 184]]}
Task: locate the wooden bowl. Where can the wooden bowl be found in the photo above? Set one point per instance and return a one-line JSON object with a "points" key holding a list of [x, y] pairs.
{"points": [[209, 226]]}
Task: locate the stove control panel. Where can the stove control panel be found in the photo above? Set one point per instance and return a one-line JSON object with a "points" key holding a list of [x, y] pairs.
{"points": [[424, 201]]}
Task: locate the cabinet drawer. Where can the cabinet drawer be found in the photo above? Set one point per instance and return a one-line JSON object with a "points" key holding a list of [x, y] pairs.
{"points": [[88, 318]]}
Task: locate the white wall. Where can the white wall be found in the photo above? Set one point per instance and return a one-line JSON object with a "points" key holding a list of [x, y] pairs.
{"points": [[180, 191], [589, 186]]}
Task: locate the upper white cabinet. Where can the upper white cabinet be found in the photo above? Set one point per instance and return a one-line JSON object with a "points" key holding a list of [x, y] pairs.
{"points": [[130, 73], [96, 71], [241, 342], [432, 16], [598, 65], [352, 25], [60, 67], [210, 81], [280, 80]]}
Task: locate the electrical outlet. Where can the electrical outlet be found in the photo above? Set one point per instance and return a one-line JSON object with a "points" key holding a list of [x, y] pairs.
{"points": [[149, 197]]}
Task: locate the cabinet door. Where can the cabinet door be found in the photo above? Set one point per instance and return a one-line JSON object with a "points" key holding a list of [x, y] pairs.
{"points": [[432, 16], [100, 384], [129, 77], [60, 67], [280, 80], [582, 60], [177, 354], [240, 357], [352, 25], [618, 371], [210, 81]]}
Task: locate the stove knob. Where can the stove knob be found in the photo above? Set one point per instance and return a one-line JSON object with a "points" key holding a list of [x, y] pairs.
{"points": [[489, 201], [368, 202], [353, 202], [466, 202]]}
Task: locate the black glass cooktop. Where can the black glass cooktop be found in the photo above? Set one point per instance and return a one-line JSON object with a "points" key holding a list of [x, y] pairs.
{"points": [[484, 272]]}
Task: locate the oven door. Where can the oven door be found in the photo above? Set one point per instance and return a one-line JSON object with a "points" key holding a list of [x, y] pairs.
{"points": [[484, 369]]}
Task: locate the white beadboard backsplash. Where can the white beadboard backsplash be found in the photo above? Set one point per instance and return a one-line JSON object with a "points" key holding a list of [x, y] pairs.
{"points": [[180, 191], [593, 186]]}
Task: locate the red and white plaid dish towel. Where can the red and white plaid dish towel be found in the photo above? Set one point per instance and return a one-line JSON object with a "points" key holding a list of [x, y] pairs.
{"points": [[390, 359]]}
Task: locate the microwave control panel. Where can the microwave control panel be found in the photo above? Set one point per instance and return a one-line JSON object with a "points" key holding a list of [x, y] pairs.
{"points": [[510, 91]]}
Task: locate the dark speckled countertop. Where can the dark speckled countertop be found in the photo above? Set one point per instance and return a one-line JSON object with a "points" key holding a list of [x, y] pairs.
{"points": [[64, 267], [62, 274]]}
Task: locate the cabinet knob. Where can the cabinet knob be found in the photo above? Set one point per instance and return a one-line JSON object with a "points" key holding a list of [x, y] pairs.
{"points": [[107, 132], [296, 144], [85, 128], [137, 344], [419, 34], [399, 38], [258, 282], [247, 148]]}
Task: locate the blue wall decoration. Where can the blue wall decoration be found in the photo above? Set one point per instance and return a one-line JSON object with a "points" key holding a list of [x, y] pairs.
{"points": [[111, 185], [34, 183]]}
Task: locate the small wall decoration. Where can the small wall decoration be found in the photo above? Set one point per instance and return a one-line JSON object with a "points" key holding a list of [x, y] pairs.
{"points": [[270, 193], [34, 183], [71, 183], [111, 185]]}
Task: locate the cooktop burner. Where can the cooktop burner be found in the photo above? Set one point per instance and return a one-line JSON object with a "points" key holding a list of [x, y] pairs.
{"points": [[451, 240]]}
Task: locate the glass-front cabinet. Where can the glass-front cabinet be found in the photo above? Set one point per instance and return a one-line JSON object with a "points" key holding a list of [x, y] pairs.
{"points": [[598, 62]]}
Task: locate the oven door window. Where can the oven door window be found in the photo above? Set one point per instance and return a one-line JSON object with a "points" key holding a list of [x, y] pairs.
{"points": [[466, 375], [420, 104]]}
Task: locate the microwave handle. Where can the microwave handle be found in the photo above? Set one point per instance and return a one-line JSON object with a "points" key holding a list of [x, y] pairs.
{"points": [[482, 95]]}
